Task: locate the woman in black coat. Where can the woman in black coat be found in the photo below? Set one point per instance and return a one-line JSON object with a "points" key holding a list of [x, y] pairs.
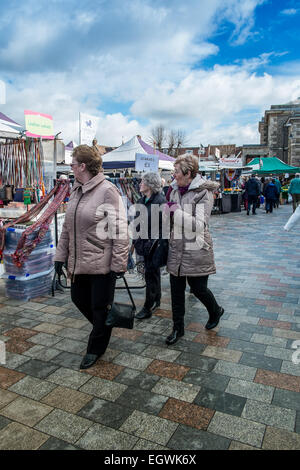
{"points": [[149, 242], [271, 194]]}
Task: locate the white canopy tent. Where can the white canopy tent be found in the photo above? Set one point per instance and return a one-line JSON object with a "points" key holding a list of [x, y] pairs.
{"points": [[124, 156], [8, 127]]}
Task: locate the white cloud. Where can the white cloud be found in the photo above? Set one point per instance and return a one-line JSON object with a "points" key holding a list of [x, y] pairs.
{"points": [[289, 11], [216, 99], [62, 58]]}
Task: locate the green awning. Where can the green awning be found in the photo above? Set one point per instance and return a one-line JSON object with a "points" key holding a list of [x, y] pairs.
{"points": [[271, 165]]}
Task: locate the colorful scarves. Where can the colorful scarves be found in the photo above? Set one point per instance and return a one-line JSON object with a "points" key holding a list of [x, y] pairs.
{"points": [[25, 247]]}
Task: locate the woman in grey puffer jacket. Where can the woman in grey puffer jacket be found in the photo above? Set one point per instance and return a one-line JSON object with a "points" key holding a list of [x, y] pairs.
{"points": [[191, 256]]}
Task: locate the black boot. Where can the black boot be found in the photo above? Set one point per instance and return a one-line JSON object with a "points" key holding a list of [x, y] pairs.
{"points": [[155, 306], [174, 336], [214, 320], [88, 361], [144, 313]]}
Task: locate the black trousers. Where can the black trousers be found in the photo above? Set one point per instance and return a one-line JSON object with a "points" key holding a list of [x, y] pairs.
{"points": [[153, 286], [270, 203], [92, 294], [252, 200], [199, 289]]}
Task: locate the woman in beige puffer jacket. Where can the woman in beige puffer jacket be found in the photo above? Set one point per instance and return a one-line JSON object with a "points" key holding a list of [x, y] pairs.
{"points": [[191, 256], [94, 245]]}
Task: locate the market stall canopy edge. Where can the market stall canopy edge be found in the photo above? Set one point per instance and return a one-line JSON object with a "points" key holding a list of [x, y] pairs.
{"points": [[271, 165]]}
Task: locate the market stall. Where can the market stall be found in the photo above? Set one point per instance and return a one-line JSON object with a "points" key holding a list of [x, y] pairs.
{"points": [[125, 156], [29, 201]]}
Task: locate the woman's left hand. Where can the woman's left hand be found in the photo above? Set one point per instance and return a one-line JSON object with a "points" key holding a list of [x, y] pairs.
{"points": [[170, 207]]}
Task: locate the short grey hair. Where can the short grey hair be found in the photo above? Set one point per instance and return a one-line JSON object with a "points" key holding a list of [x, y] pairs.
{"points": [[153, 181]]}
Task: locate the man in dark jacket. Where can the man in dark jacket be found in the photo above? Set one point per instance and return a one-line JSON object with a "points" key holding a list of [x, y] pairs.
{"points": [[253, 191], [271, 195]]}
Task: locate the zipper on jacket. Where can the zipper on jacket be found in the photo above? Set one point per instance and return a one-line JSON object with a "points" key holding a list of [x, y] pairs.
{"points": [[75, 254]]}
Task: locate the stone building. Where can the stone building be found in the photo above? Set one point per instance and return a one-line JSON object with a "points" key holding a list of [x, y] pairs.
{"points": [[279, 135], [280, 131]]}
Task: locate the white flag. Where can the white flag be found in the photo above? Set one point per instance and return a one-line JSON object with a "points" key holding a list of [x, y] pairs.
{"points": [[87, 128]]}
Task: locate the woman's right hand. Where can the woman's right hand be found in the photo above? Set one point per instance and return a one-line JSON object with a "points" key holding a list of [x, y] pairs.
{"points": [[58, 266]]}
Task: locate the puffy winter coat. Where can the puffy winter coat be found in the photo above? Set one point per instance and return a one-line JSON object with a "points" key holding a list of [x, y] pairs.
{"points": [[94, 238], [252, 187], [294, 187], [271, 191], [150, 230], [190, 254]]}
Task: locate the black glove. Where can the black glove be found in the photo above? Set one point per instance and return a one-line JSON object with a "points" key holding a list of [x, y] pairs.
{"points": [[58, 266], [115, 275]]}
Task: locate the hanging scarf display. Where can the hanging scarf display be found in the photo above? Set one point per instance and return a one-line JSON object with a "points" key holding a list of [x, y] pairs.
{"points": [[21, 163], [129, 188], [25, 247]]}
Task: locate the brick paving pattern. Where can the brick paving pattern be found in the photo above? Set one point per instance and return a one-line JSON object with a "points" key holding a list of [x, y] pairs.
{"points": [[234, 388]]}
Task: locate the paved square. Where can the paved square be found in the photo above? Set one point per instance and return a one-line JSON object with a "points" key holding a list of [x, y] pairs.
{"points": [[235, 387]]}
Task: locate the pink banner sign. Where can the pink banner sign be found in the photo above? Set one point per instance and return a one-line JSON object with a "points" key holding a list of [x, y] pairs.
{"points": [[38, 125]]}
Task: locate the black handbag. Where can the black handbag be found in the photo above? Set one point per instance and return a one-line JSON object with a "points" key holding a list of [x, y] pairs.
{"points": [[121, 315], [159, 253]]}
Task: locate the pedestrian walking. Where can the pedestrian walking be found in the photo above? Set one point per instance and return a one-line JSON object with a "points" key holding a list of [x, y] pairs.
{"points": [[190, 259], [244, 194], [294, 190], [253, 191], [148, 247], [278, 186], [271, 195], [95, 258], [260, 192]]}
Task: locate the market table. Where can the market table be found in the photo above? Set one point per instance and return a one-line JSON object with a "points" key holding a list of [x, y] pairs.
{"points": [[231, 202]]}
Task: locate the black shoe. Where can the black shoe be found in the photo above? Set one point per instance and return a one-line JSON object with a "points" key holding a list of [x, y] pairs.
{"points": [[88, 361], [144, 313], [155, 306], [247, 212], [253, 213], [174, 336], [212, 323]]}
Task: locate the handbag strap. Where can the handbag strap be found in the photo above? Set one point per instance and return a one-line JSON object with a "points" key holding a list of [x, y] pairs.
{"points": [[129, 293]]}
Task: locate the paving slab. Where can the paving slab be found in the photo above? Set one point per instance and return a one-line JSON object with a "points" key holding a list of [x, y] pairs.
{"points": [[233, 427], [149, 427], [63, 425], [16, 436], [100, 437], [25, 411]]}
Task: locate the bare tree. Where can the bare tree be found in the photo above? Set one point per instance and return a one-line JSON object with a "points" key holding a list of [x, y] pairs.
{"points": [[158, 136], [171, 142], [180, 140]]}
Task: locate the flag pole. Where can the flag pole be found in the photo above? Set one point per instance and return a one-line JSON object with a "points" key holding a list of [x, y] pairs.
{"points": [[79, 129]]}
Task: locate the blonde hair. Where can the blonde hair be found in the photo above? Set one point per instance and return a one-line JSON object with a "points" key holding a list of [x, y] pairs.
{"points": [[90, 156], [188, 163]]}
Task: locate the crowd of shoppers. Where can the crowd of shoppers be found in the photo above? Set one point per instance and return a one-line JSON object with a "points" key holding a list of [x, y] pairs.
{"points": [[257, 190]]}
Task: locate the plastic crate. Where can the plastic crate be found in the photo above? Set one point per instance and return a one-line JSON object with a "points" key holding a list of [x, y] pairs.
{"points": [[38, 261], [13, 235], [28, 286]]}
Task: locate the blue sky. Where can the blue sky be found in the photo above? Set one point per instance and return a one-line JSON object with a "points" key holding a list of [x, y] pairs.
{"points": [[209, 68]]}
